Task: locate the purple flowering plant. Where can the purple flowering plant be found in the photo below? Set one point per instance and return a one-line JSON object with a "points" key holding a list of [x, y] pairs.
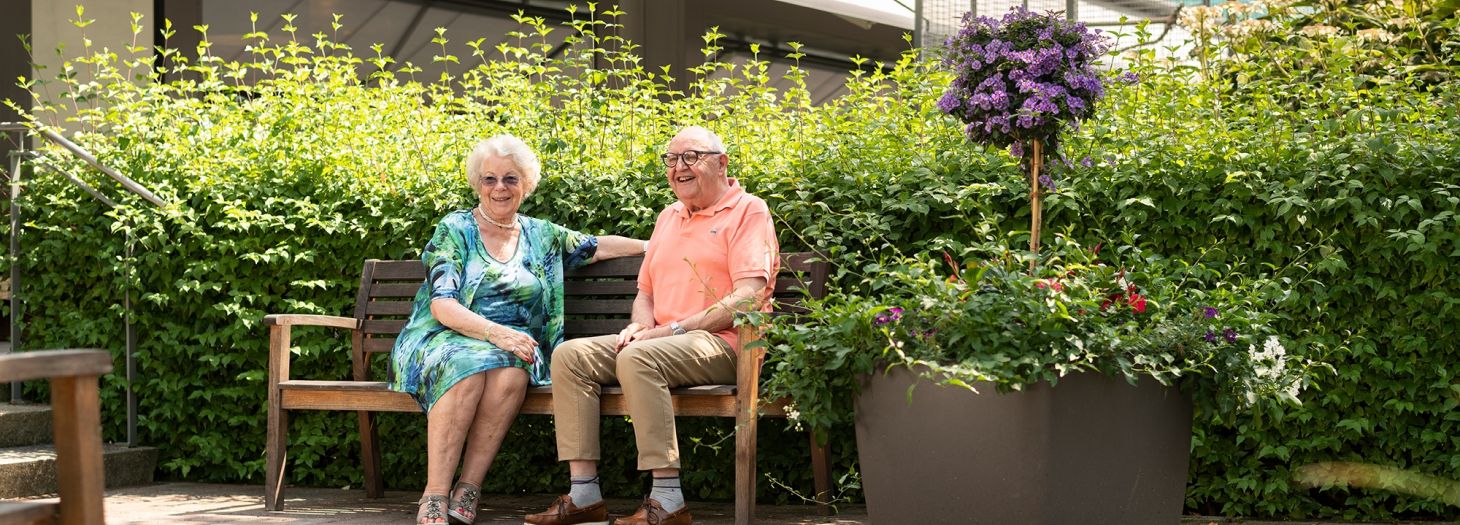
{"points": [[1022, 77]]}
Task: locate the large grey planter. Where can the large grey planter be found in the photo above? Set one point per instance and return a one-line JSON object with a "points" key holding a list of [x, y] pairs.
{"points": [[1091, 450]]}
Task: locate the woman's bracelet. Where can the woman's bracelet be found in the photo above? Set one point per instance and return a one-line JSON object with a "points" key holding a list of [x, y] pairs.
{"points": [[486, 329]]}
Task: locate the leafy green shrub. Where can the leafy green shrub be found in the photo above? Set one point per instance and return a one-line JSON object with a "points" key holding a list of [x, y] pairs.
{"points": [[1383, 41], [286, 170]]}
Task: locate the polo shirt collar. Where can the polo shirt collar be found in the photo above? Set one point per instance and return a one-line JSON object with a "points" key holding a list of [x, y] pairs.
{"points": [[729, 200]]}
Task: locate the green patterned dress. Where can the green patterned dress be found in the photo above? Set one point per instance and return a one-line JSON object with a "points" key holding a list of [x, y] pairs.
{"points": [[524, 293]]}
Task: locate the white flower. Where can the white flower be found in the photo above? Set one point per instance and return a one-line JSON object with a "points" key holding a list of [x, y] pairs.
{"points": [[1375, 35], [1274, 348], [1271, 362], [793, 415], [1238, 7], [1294, 388], [1199, 18], [1320, 31], [1250, 27]]}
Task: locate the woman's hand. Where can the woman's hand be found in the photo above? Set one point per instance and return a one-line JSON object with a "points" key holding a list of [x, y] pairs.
{"points": [[519, 344]]}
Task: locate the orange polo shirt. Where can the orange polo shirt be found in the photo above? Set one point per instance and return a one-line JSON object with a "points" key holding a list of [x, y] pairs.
{"points": [[695, 258]]}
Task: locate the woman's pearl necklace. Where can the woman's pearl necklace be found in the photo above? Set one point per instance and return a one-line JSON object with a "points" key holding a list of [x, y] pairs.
{"points": [[483, 216]]}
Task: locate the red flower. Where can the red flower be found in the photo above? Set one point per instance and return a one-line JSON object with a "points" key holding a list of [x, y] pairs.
{"points": [[1138, 303], [949, 259]]}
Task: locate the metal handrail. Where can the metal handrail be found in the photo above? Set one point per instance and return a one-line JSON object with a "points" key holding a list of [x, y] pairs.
{"points": [[84, 155], [40, 160], [129, 185]]}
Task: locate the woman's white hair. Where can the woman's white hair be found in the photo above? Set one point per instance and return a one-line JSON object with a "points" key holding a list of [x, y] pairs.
{"points": [[510, 148]]}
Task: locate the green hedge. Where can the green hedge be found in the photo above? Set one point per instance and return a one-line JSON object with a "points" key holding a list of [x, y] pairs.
{"points": [[283, 184]]}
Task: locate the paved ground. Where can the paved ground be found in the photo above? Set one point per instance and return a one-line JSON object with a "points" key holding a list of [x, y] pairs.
{"points": [[195, 503]]}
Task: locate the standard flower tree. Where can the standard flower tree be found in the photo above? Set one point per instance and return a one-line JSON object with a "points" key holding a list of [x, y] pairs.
{"points": [[1018, 82]]}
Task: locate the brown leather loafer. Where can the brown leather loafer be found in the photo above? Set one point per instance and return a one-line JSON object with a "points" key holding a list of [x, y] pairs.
{"points": [[651, 513], [563, 512]]}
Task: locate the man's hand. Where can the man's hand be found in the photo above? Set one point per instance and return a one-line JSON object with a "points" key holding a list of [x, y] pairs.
{"points": [[652, 333], [629, 334]]}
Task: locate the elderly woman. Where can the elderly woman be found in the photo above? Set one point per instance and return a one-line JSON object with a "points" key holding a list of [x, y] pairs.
{"points": [[486, 321]]}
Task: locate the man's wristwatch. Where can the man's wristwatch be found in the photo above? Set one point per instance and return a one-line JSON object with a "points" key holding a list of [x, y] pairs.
{"points": [[674, 327]]}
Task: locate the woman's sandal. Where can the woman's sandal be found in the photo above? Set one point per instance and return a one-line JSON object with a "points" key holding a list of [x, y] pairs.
{"points": [[432, 511], [464, 504]]}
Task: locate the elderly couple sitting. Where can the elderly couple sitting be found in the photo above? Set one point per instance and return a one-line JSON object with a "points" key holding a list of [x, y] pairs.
{"points": [[488, 322]]}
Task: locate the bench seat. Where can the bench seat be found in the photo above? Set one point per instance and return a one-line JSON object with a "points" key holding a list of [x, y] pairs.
{"points": [[376, 396]]}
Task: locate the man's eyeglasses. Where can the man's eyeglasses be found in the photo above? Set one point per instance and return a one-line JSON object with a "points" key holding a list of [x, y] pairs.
{"points": [[689, 158], [491, 180]]}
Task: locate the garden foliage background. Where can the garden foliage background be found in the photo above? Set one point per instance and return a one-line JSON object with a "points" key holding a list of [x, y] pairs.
{"points": [[288, 169]]}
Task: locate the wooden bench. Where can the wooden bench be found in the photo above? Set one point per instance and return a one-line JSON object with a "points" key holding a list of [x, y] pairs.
{"points": [[76, 408], [598, 300]]}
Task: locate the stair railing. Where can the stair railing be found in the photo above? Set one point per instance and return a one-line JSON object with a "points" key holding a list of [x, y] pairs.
{"points": [[18, 159]]}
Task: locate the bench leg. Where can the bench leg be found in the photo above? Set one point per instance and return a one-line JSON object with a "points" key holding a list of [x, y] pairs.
{"points": [[77, 426], [745, 467], [821, 473], [370, 452], [275, 458]]}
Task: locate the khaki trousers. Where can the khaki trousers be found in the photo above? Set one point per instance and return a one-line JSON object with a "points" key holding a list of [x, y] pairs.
{"points": [[646, 370]]}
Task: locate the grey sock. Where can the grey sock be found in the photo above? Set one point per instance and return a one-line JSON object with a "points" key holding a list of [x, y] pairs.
{"points": [[585, 491], [666, 492]]}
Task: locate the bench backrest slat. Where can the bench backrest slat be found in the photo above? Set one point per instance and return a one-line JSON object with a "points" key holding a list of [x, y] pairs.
{"points": [[397, 289], [388, 308], [599, 297], [576, 288]]}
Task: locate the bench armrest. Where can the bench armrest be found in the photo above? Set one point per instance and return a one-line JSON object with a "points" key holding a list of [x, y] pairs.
{"points": [[22, 366], [748, 361], [280, 326], [328, 321]]}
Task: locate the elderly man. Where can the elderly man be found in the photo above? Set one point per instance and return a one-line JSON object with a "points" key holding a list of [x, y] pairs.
{"points": [[712, 254]]}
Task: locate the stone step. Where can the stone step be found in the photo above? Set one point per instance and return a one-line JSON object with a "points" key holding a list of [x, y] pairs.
{"points": [[29, 513], [31, 470], [24, 425]]}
